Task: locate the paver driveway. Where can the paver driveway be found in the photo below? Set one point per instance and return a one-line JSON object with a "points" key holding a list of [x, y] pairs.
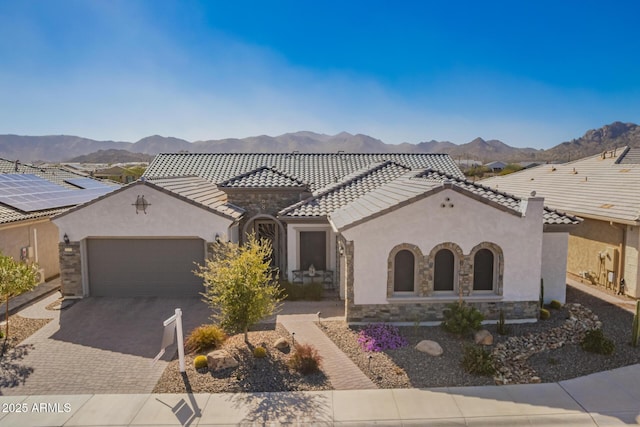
{"points": [[99, 345]]}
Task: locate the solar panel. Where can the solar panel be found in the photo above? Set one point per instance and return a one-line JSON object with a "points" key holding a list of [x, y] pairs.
{"points": [[87, 183], [30, 193]]}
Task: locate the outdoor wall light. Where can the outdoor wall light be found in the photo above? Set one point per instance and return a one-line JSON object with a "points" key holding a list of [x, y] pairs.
{"points": [[141, 204], [65, 238], [218, 240]]}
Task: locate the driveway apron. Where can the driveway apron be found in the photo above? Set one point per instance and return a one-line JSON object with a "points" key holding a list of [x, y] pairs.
{"points": [[98, 345]]}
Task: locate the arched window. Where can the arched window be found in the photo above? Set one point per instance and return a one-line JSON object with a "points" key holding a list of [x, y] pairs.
{"points": [[483, 266], [444, 271], [404, 271]]}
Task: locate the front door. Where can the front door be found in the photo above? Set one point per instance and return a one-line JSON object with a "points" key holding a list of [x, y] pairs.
{"points": [[269, 230]]}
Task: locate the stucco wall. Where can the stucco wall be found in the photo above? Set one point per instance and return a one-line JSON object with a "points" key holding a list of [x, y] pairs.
{"points": [[41, 235], [166, 216], [293, 245], [586, 241], [426, 224], [631, 271], [554, 265]]}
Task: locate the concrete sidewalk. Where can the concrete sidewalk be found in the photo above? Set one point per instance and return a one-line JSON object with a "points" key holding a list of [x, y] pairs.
{"points": [[41, 291], [609, 398]]}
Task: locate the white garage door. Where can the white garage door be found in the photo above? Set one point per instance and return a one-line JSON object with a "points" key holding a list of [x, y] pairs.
{"points": [[144, 267]]}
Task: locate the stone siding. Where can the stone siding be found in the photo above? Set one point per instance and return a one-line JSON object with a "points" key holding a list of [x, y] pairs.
{"points": [[70, 269], [424, 268], [263, 202], [430, 311]]}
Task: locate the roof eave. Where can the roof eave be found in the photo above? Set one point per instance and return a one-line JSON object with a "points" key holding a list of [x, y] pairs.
{"points": [[261, 189], [605, 218], [559, 228], [318, 218]]}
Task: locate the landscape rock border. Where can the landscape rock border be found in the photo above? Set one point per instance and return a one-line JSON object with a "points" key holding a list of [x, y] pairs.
{"points": [[511, 356]]}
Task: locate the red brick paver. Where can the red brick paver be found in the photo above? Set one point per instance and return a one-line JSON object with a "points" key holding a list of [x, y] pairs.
{"points": [[341, 371]]}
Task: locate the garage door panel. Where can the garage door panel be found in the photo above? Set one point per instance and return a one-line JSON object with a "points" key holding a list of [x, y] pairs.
{"points": [[144, 267]]}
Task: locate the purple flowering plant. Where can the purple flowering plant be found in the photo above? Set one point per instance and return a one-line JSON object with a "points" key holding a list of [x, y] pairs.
{"points": [[379, 337]]}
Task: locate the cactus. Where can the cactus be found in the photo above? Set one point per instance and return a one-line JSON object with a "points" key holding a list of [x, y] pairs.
{"points": [[541, 292], [503, 329], [635, 330]]}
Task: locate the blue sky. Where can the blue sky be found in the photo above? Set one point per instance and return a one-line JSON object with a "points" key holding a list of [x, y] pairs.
{"points": [[528, 73]]}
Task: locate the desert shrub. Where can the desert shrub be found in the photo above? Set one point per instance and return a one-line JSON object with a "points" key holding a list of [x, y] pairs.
{"points": [[305, 359], [259, 352], [544, 314], [594, 341], [200, 362], [461, 319], [297, 292], [239, 285], [477, 360], [204, 337], [380, 337], [555, 304]]}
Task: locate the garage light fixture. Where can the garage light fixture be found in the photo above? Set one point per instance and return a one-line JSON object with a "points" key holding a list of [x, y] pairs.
{"points": [[65, 238], [141, 205]]}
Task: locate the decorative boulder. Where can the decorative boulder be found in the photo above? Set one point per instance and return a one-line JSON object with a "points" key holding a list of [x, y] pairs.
{"points": [[432, 348], [221, 359], [483, 337], [281, 344]]}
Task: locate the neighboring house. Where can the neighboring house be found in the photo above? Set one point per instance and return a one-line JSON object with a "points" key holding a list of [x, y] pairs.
{"points": [[26, 232], [465, 164], [116, 173], [529, 165], [496, 166], [605, 191], [399, 235]]}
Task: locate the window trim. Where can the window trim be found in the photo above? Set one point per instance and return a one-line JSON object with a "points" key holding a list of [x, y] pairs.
{"points": [[458, 259], [418, 274], [498, 268], [327, 254]]}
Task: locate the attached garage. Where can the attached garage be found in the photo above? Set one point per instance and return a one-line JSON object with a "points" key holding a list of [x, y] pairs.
{"points": [[144, 267], [115, 246]]}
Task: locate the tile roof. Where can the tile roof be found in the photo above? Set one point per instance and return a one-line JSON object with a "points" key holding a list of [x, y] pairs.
{"points": [[630, 156], [335, 196], [318, 170], [602, 187], [414, 185], [53, 174], [263, 177], [56, 175], [550, 216], [199, 191]]}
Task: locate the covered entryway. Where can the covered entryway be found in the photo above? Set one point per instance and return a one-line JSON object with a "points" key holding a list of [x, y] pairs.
{"points": [[144, 267]]}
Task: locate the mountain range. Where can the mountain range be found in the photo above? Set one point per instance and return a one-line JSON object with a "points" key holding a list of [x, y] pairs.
{"points": [[59, 148]]}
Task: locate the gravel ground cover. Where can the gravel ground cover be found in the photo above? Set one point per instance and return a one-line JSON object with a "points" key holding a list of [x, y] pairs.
{"points": [[386, 368], [406, 367], [20, 328], [252, 375]]}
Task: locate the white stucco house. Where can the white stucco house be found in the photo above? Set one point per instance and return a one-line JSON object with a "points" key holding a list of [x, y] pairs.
{"points": [[29, 196], [397, 236]]}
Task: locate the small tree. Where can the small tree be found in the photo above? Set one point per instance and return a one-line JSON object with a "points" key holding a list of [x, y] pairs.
{"points": [[15, 278], [239, 284]]}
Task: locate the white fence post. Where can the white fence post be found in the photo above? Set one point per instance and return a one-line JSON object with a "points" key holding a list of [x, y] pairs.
{"points": [[180, 339]]}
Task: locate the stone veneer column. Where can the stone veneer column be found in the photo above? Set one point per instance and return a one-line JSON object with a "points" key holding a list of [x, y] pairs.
{"points": [[70, 269], [348, 291]]}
